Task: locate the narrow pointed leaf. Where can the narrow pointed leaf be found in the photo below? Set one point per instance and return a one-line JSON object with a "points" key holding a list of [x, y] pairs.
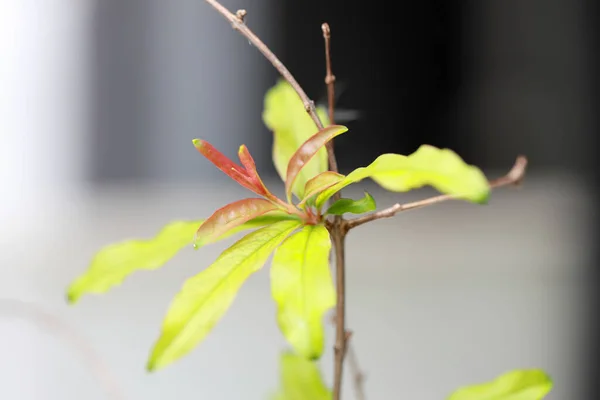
{"points": [[441, 168], [361, 206], [248, 163], [205, 297], [530, 384], [115, 262], [231, 216], [225, 164], [307, 151], [302, 287], [319, 183], [300, 379], [285, 116]]}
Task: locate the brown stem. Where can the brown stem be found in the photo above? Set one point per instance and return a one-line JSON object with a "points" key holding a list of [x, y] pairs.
{"points": [[341, 335], [237, 23], [514, 176], [330, 82]]}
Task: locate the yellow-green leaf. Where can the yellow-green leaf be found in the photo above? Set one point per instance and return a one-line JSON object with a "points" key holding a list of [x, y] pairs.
{"points": [[441, 168], [302, 287], [532, 384], [285, 116], [115, 262], [361, 206], [300, 380], [319, 183], [205, 297]]}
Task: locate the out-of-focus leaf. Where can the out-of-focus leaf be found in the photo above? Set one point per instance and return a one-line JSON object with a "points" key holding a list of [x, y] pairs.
{"points": [[115, 262], [205, 297], [231, 216], [441, 168], [231, 169], [361, 206], [285, 116], [532, 384], [302, 287], [300, 380], [307, 151], [319, 183]]}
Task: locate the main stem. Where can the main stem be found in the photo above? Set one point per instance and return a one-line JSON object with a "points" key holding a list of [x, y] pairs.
{"points": [[341, 343]]}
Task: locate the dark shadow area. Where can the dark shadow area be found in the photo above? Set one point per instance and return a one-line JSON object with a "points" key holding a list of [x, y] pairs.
{"points": [[488, 80]]}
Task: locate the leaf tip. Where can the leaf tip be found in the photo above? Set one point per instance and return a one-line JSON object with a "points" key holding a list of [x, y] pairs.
{"points": [[152, 365], [73, 294], [484, 198], [197, 142], [72, 297]]}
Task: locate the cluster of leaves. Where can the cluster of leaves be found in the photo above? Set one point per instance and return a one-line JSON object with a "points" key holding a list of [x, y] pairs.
{"points": [[294, 233]]}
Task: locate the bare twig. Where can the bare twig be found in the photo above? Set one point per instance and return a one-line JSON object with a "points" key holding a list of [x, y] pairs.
{"points": [[237, 22], [358, 377], [53, 323], [357, 374], [330, 82], [514, 176]]}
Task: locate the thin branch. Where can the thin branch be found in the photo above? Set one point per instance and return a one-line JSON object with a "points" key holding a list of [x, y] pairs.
{"points": [[514, 177], [358, 377], [330, 82], [237, 23], [71, 337], [357, 374]]}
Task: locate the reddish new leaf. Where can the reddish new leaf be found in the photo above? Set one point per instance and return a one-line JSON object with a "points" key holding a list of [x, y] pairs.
{"points": [[234, 171], [252, 173], [307, 151], [231, 216]]}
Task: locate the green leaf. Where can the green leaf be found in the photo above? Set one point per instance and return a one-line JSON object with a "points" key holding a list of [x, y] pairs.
{"points": [[319, 183], [115, 262], [300, 380], [361, 206], [302, 287], [441, 168], [231, 216], [532, 384], [285, 116], [307, 151], [205, 297]]}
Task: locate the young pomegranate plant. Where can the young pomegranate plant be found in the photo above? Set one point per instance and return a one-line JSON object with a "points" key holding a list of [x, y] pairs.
{"points": [[300, 231]]}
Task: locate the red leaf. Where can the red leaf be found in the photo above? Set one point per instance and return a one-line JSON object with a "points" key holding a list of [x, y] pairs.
{"points": [[250, 166], [231, 216], [307, 151], [234, 171]]}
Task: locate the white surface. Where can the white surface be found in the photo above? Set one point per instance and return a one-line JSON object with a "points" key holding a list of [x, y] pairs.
{"points": [[438, 297], [44, 101]]}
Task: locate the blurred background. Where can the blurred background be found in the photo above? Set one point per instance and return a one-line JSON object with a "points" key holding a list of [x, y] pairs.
{"points": [[100, 101]]}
